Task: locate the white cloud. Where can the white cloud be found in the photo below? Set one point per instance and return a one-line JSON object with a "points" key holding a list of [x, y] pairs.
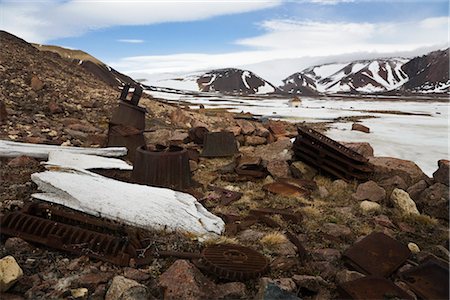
{"points": [[330, 2], [131, 41], [44, 20]]}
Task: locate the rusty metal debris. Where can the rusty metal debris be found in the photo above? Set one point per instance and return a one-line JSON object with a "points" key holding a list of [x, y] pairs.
{"points": [[197, 134], [429, 280], [74, 239], [162, 166], [127, 124], [377, 254], [226, 197], [219, 144], [286, 189], [330, 156], [250, 166], [371, 288]]}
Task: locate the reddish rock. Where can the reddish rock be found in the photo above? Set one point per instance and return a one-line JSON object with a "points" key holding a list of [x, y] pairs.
{"points": [[122, 288], [371, 191], [365, 149], [303, 171], [434, 201], [246, 127], [442, 173], [135, 274], [55, 108], [360, 127], [254, 140], [384, 221], [23, 162], [94, 279], [283, 263], [391, 183], [277, 128], [231, 290], [278, 168], [279, 150], [415, 190], [3, 113], [337, 231], [17, 245], [327, 254], [36, 83], [311, 283], [236, 130], [178, 137], [385, 167], [261, 130], [180, 118], [184, 281]]}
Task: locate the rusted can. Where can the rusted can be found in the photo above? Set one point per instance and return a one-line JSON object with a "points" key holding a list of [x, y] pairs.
{"points": [[162, 166], [219, 144]]}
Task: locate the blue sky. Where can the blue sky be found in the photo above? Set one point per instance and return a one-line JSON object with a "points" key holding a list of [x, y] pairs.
{"points": [[150, 34]]}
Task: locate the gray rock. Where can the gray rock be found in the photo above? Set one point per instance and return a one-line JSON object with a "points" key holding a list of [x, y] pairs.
{"points": [[273, 292]]}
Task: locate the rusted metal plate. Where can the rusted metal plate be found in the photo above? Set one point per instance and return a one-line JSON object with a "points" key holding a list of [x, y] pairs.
{"points": [[371, 288], [219, 144], [226, 197], [250, 166], [330, 156], [429, 280], [162, 166], [197, 134], [234, 262], [285, 189], [129, 115], [69, 238], [377, 254]]}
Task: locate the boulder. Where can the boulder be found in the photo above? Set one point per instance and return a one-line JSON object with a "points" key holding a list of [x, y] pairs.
{"points": [[279, 150], [278, 168], [369, 206], [184, 281], [441, 174], [434, 200], [389, 184], [416, 189], [303, 171], [360, 127], [371, 191], [261, 130], [122, 288], [365, 149], [10, 272], [401, 200], [386, 167]]}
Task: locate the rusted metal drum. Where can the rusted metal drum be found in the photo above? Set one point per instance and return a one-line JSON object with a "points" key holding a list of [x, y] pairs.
{"points": [[125, 136], [219, 144], [162, 166], [129, 114]]}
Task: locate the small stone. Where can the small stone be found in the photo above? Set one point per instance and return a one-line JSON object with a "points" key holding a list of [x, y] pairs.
{"points": [[346, 275], [442, 173], [17, 245], [369, 207], [311, 283], [339, 185], [371, 191], [277, 128], [231, 290], [135, 274], [246, 126], [10, 272], [272, 291], [279, 150], [254, 140], [36, 83], [283, 263], [278, 168], [403, 202], [193, 166], [327, 254], [384, 221], [360, 127], [413, 248], [54, 108], [93, 279], [123, 288], [23, 162], [302, 171], [236, 130], [323, 192], [337, 231], [79, 293]]}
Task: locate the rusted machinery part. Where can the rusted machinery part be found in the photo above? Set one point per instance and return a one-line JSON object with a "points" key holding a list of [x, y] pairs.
{"points": [[219, 144], [74, 239], [377, 254], [162, 166], [429, 280], [129, 115], [125, 136], [371, 288], [226, 196]]}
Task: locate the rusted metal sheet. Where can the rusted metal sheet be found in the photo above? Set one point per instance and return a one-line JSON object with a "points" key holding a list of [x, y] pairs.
{"points": [[250, 166], [377, 254], [285, 189], [219, 144], [226, 196], [429, 280], [129, 115], [330, 156], [162, 166], [371, 288], [126, 136], [197, 134], [74, 239]]}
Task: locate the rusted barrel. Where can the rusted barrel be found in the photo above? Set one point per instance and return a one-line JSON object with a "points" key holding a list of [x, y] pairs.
{"points": [[162, 166], [129, 115], [219, 144], [125, 136]]}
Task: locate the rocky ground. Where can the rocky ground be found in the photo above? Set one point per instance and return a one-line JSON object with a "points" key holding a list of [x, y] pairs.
{"points": [[70, 107]]}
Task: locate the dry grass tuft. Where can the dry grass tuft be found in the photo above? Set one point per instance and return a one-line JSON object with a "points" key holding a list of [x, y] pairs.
{"points": [[221, 240], [273, 239]]}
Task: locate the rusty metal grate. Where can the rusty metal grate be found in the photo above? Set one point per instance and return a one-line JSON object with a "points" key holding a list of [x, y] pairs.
{"points": [[219, 144], [162, 166], [371, 288], [330, 156], [68, 238], [429, 280], [377, 254]]}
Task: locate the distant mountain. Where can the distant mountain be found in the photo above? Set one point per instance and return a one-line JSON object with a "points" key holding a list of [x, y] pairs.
{"points": [[425, 74], [428, 73], [234, 81], [89, 63]]}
